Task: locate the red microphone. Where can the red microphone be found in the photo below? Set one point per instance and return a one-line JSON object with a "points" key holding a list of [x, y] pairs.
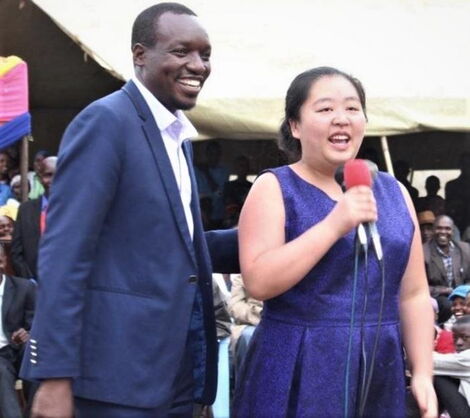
{"points": [[357, 173], [361, 173]]}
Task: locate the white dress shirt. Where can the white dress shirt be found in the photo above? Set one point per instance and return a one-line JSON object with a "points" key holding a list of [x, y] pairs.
{"points": [[3, 338], [456, 365], [174, 128]]}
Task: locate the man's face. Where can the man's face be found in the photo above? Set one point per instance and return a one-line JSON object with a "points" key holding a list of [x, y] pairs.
{"points": [[467, 305], [4, 160], [6, 227], [443, 231], [3, 262], [176, 67], [16, 188], [461, 334], [38, 162], [427, 231], [46, 174], [458, 306]]}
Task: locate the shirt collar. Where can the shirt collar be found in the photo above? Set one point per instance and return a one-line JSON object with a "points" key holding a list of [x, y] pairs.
{"points": [[442, 253], [177, 125], [2, 285], [44, 202]]}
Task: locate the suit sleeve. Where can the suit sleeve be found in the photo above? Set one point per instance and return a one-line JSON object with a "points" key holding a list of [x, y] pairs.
{"points": [[456, 365], [29, 306], [86, 180], [223, 249], [17, 249]]}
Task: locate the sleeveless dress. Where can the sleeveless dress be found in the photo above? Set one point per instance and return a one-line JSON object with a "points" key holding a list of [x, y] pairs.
{"points": [[296, 363]]}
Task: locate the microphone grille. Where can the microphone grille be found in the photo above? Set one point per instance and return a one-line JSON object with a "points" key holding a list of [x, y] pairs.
{"points": [[357, 173]]}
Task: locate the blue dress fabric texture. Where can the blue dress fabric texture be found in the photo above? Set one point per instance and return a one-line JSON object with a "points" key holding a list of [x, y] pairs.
{"points": [[296, 363]]}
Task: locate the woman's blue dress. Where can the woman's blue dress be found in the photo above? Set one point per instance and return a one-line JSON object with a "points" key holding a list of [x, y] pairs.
{"points": [[296, 363]]}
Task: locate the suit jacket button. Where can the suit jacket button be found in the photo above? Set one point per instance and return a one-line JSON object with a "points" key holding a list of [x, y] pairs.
{"points": [[192, 279]]}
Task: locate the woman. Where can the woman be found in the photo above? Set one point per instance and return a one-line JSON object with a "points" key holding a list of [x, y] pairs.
{"points": [[296, 236]]}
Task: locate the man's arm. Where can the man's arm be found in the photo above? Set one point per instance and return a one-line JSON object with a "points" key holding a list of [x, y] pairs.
{"points": [[456, 365], [85, 183], [242, 310], [223, 249]]}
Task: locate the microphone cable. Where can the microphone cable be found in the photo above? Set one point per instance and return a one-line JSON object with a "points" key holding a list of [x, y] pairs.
{"points": [[357, 251], [362, 385], [365, 393]]}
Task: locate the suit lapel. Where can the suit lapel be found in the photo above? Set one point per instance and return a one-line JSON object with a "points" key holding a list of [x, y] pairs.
{"points": [[437, 260], [155, 141], [8, 296], [195, 209], [36, 218]]}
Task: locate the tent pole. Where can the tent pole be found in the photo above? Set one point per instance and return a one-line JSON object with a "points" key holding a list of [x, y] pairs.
{"points": [[24, 168], [386, 151]]}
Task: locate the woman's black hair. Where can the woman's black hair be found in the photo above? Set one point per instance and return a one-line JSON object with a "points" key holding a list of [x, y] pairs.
{"points": [[296, 96]]}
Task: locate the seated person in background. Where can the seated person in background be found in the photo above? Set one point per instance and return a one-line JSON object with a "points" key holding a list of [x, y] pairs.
{"points": [[30, 225], [246, 313], [432, 201], [457, 194], [457, 299], [426, 220], [15, 185], [6, 228], [7, 225], [37, 189], [17, 300], [5, 190], [402, 171], [443, 341], [452, 372], [447, 264]]}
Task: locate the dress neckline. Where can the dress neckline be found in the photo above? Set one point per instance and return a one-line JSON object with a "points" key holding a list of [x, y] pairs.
{"points": [[296, 175]]}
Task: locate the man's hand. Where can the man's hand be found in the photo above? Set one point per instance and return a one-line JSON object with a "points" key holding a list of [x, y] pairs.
{"points": [[53, 400], [20, 336]]}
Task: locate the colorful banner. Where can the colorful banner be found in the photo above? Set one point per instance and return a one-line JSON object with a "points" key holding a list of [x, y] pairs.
{"points": [[15, 120]]}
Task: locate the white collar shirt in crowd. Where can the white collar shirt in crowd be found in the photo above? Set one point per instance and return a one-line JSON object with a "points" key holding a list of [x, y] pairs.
{"points": [[174, 128], [457, 366], [3, 338]]}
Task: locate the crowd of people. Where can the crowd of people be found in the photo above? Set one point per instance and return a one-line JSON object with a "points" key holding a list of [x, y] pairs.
{"points": [[21, 226]]}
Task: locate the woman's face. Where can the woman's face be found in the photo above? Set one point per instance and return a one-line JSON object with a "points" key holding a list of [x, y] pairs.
{"points": [[332, 123]]}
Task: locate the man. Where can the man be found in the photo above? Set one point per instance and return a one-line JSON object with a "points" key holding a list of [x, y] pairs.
{"points": [[37, 189], [447, 264], [452, 372], [402, 170], [126, 275], [458, 194], [432, 201], [17, 299], [30, 224], [426, 220]]}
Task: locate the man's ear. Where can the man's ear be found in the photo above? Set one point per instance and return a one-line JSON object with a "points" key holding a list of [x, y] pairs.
{"points": [[138, 54]]}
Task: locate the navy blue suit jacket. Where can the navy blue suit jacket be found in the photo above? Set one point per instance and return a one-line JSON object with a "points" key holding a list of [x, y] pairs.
{"points": [[122, 286]]}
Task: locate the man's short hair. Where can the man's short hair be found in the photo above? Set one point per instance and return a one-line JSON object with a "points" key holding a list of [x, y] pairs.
{"points": [[463, 320], [145, 24], [438, 218]]}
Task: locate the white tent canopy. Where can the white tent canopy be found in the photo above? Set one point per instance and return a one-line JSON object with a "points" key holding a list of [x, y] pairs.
{"points": [[411, 55]]}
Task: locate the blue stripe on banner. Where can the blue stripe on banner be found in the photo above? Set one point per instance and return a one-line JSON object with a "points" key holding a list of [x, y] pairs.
{"points": [[14, 130]]}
